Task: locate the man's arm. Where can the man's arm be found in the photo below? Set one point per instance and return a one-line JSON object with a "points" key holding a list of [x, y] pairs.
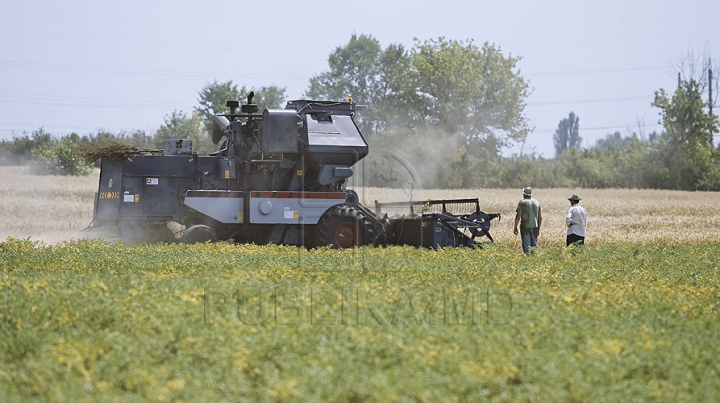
{"points": [[539, 221], [568, 218], [517, 221]]}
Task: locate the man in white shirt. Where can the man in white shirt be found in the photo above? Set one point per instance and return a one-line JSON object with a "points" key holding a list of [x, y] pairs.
{"points": [[576, 221]]}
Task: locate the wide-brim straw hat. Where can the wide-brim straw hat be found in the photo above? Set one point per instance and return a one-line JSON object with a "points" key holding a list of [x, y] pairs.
{"points": [[574, 198], [527, 191]]}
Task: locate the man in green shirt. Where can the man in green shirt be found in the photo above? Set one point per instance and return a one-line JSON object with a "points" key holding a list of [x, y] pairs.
{"points": [[529, 216]]}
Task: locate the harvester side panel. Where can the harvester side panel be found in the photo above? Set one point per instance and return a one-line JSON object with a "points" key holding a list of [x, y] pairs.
{"points": [[161, 165], [132, 198], [337, 141], [151, 184], [108, 197], [292, 207], [224, 206], [161, 199]]}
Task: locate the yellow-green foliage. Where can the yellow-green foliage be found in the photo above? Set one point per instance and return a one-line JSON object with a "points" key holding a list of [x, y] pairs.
{"points": [[95, 321]]}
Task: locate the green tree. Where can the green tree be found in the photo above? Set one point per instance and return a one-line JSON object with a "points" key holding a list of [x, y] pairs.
{"points": [[440, 86], [179, 126], [371, 76], [567, 135], [689, 154], [22, 146], [354, 71], [214, 96], [61, 158], [271, 97], [212, 101], [137, 138], [468, 90], [616, 141]]}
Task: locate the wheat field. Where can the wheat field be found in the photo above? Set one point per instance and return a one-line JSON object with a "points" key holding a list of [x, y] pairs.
{"points": [[55, 208], [45, 207], [614, 215]]}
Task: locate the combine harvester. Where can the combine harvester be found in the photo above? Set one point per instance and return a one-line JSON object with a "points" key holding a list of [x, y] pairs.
{"points": [[279, 177]]}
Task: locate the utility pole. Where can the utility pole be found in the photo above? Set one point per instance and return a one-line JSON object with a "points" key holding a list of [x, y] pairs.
{"points": [[710, 98], [710, 101]]}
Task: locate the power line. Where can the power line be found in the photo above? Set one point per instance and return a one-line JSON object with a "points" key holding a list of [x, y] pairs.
{"points": [[597, 128], [125, 71], [309, 44], [43, 99], [587, 101], [89, 103], [292, 44], [596, 71], [82, 105], [615, 39], [21, 129], [116, 70]]}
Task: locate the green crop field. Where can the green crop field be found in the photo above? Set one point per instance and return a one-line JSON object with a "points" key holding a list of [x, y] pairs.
{"points": [[92, 321]]}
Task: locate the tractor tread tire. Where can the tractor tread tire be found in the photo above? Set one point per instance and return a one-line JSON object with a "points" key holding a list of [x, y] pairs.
{"points": [[342, 221], [199, 234]]}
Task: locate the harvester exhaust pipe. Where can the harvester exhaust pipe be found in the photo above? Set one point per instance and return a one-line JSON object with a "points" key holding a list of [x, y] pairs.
{"points": [[250, 108]]}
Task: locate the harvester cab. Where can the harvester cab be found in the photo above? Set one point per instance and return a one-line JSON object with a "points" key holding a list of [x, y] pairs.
{"points": [[278, 177]]}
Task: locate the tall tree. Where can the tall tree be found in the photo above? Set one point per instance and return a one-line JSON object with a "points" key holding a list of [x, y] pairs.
{"points": [[690, 156], [454, 87], [473, 91], [353, 71], [363, 71], [180, 126], [271, 97], [214, 96], [567, 135]]}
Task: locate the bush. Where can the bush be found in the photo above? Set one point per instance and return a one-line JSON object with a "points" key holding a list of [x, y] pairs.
{"points": [[60, 159]]}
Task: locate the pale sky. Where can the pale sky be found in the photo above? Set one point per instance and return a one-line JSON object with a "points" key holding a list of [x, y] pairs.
{"points": [[81, 65]]}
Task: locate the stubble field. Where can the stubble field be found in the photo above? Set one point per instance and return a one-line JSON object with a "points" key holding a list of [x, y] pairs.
{"points": [[54, 208], [631, 317]]}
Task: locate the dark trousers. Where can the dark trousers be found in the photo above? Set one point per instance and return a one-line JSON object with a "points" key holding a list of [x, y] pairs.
{"points": [[529, 238], [575, 239]]}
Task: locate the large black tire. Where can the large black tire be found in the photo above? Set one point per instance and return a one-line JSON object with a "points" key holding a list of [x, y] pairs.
{"points": [[343, 227], [199, 234]]}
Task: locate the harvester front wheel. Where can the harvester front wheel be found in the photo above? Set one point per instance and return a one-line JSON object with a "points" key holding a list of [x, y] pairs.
{"points": [[342, 227], [199, 234]]}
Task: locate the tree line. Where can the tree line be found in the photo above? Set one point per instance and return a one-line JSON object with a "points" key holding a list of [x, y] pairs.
{"points": [[63, 155], [450, 107]]}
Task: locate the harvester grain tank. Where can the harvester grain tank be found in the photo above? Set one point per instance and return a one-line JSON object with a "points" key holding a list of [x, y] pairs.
{"points": [[278, 177]]}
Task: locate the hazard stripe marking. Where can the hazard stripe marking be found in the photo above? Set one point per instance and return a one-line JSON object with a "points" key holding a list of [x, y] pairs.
{"points": [[109, 195]]}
